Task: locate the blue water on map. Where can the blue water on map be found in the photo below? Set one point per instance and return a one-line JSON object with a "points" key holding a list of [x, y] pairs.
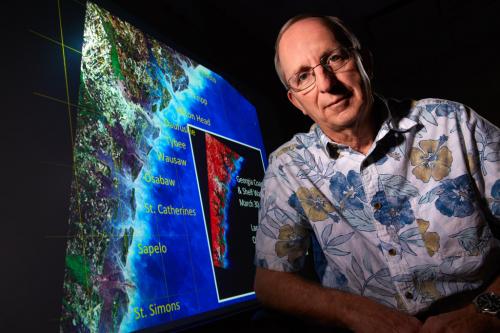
{"points": [[184, 273]]}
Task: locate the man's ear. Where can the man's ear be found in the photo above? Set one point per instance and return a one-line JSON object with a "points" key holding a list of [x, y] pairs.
{"points": [[296, 102]]}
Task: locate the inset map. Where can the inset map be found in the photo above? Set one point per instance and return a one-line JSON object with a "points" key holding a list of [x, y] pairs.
{"points": [[229, 175]]}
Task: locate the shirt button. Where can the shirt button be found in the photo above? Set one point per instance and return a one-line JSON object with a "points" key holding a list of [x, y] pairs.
{"points": [[392, 252], [408, 295], [377, 205]]}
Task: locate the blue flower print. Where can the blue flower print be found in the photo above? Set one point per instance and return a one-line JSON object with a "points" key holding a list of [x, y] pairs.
{"points": [[456, 197], [339, 278], [294, 202], [443, 109], [495, 193], [382, 160], [393, 210], [348, 192]]}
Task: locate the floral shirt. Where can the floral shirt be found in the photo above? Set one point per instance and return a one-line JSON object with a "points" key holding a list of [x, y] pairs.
{"points": [[407, 224]]}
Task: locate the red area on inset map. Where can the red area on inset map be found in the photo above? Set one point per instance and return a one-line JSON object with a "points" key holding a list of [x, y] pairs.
{"points": [[222, 164]]}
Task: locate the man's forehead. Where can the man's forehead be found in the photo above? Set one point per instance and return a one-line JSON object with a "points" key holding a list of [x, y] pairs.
{"points": [[303, 29], [304, 38]]}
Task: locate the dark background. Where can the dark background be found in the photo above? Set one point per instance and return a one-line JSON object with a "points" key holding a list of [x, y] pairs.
{"points": [[426, 48]]}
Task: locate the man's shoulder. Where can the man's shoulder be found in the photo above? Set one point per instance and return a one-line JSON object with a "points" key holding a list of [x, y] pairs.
{"points": [[298, 142], [408, 107], [424, 110], [437, 103]]}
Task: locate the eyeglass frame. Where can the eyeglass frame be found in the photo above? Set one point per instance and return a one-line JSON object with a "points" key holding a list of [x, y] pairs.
{"points": [[322, 63]]}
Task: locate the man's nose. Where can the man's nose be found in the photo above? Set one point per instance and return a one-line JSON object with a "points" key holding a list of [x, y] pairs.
{"points": [[325, 79]]}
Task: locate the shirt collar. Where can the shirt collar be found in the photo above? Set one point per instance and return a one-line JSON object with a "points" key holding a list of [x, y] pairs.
{"points": [[398, 112]]}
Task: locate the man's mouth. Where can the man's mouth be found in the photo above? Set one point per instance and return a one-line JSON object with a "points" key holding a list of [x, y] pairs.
{"points": [[337, 102]]}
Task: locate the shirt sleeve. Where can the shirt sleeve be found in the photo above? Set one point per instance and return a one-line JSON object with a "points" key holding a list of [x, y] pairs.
{"points": [[283, 235], [482, 141]]}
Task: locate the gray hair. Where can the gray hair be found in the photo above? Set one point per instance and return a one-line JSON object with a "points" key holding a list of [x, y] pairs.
{"points": [[345, 36]]}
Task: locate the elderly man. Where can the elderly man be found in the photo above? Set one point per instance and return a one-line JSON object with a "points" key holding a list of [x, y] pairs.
{"points": [[399, 199]]}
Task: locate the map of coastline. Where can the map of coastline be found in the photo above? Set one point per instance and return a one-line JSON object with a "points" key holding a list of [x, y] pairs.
{"points": [[120, 92], [137, 255]]}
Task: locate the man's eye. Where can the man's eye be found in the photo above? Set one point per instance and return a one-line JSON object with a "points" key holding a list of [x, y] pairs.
{"points": [[301, 77], [334, 58]]}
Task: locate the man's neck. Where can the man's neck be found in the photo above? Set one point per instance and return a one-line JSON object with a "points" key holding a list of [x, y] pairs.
{"points": [[357, 140], [359, 137]]}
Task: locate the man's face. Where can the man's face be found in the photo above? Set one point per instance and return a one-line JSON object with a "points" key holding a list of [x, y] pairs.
{"points": [[337, 101]]}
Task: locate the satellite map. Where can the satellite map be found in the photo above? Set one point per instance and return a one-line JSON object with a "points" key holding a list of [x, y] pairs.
{"points": [[138, 253]]}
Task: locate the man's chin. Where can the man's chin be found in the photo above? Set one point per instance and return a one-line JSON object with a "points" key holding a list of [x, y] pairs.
{"points": [[342, 118]]}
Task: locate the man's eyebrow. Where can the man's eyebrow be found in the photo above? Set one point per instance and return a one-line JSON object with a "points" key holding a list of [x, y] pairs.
{"points": [[327, 52], [302, 68]]}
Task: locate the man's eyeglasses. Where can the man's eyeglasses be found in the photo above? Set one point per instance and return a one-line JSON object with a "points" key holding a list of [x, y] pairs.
{"points": [[331, 62]]}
